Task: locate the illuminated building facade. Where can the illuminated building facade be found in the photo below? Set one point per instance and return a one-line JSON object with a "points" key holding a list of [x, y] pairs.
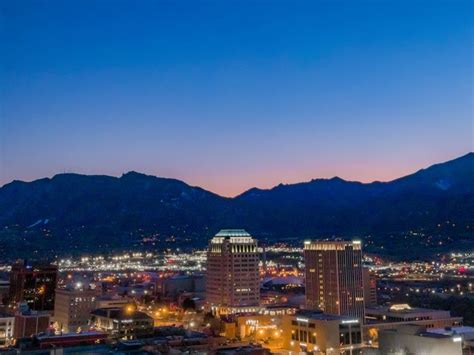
{"points": [[334, 282], [232, 278], [398, 315], [33, 284], [318, 332], [7, 322], [122, 323], [412, 339], [72, 308]]}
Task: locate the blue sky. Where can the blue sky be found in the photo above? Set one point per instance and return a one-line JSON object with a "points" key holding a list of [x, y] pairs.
{"points": [[233, 94]]}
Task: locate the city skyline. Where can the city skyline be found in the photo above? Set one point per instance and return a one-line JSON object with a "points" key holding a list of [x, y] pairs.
{"points": [[231, 96]]}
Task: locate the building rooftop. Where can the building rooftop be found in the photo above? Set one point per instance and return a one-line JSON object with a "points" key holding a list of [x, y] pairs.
{"points": [[452, 330], [331, 244], [120, 314], [305, 315], [233, 233], [43, 336], [401, 309]]}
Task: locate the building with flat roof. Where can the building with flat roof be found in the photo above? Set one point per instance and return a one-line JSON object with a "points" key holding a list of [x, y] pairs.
{"points": [[29, 323], [72, 307], [465, 333], [397, 315], [232, 277], [122, 323], [334, 280], [7, 326], [412, 339], [172, 287], [370, 287], [33, 284], [111, 301], [315, 331]]}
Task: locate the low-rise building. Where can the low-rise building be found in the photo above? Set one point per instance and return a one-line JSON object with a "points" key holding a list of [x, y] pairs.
{"points": [[172, 287], [465, 333], [392, 317], [413, 339], [313, 331], [122, 323], [111, 301], [29, 323], [7, 324]]}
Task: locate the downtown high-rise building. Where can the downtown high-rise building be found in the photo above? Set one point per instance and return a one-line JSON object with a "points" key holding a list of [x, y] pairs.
{"points": [[34, 284], [232, 277], [334, 280]]}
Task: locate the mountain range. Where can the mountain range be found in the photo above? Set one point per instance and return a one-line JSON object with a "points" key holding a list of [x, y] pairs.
{"points": [[432, 209]]}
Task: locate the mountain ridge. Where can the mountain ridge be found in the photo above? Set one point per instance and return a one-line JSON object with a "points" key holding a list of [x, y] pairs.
{"points": [[99, 212], [469, 155]]}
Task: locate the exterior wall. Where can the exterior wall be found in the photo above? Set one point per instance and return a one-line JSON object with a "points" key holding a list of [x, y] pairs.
{"points": [[28, 325], [35, 285], [113, 302], [371, 331], [370, 287], [138, 325], [72, 308], [328, 336], [392, 342], [232, 278], [7, 326], [333, 275]]}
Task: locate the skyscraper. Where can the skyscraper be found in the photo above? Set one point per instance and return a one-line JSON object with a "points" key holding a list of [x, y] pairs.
{"points": [[334, 280], [232, 279], [33, 284]]}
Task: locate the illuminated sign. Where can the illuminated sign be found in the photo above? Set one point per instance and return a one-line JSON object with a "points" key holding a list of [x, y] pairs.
{"points": [[302, 320], [350, 321]]}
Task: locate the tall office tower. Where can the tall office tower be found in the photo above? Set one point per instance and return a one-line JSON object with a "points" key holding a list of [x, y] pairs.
{"points": [[334, 281], [72, 307], [232, 278], [33, 284]]}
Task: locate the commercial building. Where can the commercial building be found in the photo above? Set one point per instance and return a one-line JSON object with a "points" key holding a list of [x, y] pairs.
{"points": [[232, 278], [465, 333], [72, 308], [122, 323], [370, 287], [172, 287], [398, 315], [29, 323], [264, 326], [111, 301], [33, 284], [412, 339], [315, 331], [7, 324], [334, 281]]}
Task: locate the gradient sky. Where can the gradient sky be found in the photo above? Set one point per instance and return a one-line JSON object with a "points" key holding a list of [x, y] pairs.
{"points": [[233, 94]]}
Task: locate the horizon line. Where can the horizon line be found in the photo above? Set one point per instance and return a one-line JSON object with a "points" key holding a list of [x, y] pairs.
{"points": [[241, 193]]}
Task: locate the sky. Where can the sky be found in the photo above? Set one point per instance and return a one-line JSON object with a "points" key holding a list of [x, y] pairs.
{"points": [[229, 95]]}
